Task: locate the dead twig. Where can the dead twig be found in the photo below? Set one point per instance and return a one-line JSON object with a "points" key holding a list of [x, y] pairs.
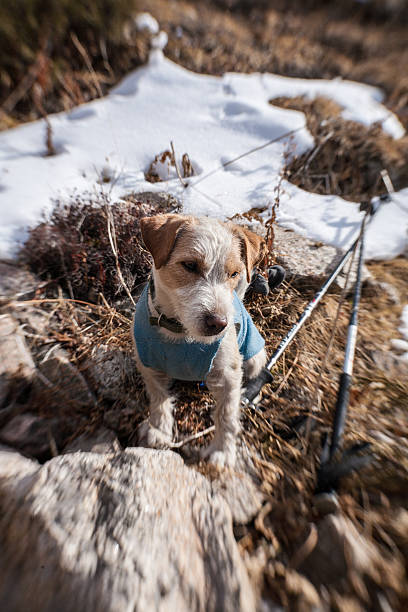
{"points": [[113, 243], [305, 549], [195, 436], [87, 61], [176, 165]]}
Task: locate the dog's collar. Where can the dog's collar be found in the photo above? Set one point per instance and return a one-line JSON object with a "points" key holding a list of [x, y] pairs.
{"points": [[162, 321]]}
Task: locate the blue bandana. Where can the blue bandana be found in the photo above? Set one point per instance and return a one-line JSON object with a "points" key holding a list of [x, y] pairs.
{"points": [[188, 360]]}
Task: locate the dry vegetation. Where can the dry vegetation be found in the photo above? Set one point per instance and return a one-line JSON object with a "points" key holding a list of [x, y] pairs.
{"points": [[347, 157], [56, 55], [76, 250]]}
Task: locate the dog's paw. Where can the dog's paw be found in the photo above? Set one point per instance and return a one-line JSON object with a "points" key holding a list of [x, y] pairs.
{"points": [[220, 457], [151, 437], [254, 365]]}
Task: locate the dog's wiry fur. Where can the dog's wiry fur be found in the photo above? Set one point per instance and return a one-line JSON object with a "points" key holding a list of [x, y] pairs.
{"points": [[222, 256]]}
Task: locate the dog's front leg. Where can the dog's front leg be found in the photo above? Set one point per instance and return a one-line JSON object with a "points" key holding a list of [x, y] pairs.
{"points": [[254, 365], [157, 431], [224, 382]]}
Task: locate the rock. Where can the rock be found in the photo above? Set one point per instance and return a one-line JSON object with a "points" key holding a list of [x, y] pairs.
{"points": [[395, 366], [16, 282], [14, 465], [241, 494], [33, 320], [133, 531], [341, 553], [64, 383], [399, 345], [163, 201], [240, 488], [101, 441], [32, 434], [17, 367], [121, 419], [390, 290], [367, 279], [303, 257], [112, 371]]}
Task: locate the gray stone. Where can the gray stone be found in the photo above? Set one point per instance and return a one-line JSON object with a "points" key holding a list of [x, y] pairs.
{"points": [[100, 441], [301, 256], [240, 488], [395, 366], [16, 363], [111, 371], [390, 290], [63, 379], [32, 434], [341, 551], [16, 282], [33, 321], [163, 201], [133, 531]]}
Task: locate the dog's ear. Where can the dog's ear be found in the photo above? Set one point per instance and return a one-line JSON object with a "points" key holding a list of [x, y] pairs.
{"points": [[253, 247], [159, 235]]}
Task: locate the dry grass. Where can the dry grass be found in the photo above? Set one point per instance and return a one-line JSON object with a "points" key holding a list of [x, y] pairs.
{"points": [[347, 157], [165, 162], [56, 55], [322, 41], [303, 39], [311, 39]]}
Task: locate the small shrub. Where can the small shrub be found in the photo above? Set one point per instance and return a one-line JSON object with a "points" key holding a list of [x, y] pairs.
{"points": [[72, 248]]}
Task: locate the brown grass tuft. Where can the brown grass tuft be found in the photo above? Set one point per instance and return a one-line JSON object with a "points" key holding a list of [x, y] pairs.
{"points": [[347, 157], [72, 248]]}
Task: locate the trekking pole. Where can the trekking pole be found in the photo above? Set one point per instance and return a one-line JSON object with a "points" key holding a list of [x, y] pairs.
{"points": [[330, 471], [255, 385], [346, 375]]}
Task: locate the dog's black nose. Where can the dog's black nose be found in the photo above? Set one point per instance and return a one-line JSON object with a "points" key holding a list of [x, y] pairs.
{"points": [[214, 324]]}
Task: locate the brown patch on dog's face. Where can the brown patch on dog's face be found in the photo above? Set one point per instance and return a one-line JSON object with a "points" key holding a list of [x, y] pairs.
{"points": [[234, 265], [159, 235], [253, 247], [186, 264]]}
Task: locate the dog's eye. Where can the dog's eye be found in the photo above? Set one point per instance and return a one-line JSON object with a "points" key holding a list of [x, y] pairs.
{"points": [[191, 266], [234, 274]]}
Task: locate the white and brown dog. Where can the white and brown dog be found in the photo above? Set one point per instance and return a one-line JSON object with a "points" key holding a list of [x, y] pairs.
{"points": [[190, 323]]}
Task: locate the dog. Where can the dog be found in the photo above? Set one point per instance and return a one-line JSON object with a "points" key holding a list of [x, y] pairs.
{"points": [[190, 323]]}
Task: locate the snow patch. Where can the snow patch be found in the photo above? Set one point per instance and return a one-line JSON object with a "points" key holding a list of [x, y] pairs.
{"points": [[398, 344], [146, 22], [107, 144]]}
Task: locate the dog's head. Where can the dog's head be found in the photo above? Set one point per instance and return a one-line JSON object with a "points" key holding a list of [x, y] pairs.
{"points": [[198, 262]]}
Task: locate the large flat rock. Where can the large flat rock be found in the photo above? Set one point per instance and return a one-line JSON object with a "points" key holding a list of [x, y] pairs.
{"points": [[135, 530]]}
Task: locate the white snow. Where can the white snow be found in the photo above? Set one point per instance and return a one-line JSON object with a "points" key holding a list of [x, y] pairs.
{"points": [[146, 21], [213, 119], [160, 41], [401, 345], [360, 102]]}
